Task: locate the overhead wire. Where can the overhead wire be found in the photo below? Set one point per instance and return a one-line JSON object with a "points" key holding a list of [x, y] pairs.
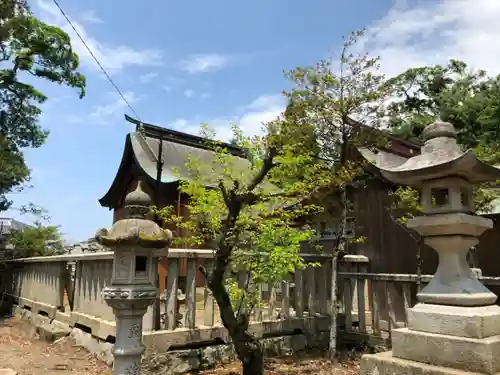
{"points": [[96, 60]]}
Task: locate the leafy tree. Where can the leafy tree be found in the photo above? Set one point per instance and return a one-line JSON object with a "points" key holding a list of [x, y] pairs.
{"points": [[336, 100], [28, 48], [247, 211], [37, 240]]}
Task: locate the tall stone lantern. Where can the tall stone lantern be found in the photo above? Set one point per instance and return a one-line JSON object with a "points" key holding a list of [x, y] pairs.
{"points": [[135, 239], [455, 324]]}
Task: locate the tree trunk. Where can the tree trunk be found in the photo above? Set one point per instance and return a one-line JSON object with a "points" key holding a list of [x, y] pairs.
{"points": [[332, 348], [339, 249], [419, 264], [250, 354], [247, 347]]}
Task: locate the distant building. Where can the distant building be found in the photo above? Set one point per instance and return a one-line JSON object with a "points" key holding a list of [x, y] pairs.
{"points": [[8, 225], [87, 246]]}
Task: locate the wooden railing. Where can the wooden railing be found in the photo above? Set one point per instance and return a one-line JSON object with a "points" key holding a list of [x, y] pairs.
{"points": [[389, 296], [68, 289], [47, 286]]}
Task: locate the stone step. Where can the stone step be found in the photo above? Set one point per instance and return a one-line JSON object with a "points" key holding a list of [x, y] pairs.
{"points": [[462, 353], [386, 364]]}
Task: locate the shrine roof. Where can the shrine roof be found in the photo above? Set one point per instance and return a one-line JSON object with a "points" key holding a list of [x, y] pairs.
{"points": [[140, 155]]}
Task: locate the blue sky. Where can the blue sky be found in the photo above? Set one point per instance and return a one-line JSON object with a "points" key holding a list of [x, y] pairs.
{"points": [[182, 63]]}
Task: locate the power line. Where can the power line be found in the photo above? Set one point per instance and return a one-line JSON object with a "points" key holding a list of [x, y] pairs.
{"points": [[96, 60]]}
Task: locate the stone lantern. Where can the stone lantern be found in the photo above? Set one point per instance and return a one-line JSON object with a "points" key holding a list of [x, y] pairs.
{"points": [[136, 240], [455, 324]]}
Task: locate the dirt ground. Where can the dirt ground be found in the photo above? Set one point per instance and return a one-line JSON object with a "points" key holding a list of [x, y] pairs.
{"points": [[306, 364], [23, 351]]}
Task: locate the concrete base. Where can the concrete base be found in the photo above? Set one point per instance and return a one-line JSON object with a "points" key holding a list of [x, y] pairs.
{"points": [[472, 322], [462, 353], [442, 340], [386, 364]]}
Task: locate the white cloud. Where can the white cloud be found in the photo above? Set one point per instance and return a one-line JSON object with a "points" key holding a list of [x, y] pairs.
{"points": [[422, 33], [112, 58], [262, 110], [90, 17], [205, 63], [147, 77], [251, 117], [189, 93], [266, 101], [114, 106]]}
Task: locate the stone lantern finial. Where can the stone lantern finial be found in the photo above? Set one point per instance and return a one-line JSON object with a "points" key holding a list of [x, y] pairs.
{"points": [[138, 197], [136, 227], [439, 129]]}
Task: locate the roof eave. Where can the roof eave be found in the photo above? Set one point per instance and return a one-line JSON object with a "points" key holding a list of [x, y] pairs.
{"points": [[108, 199]]}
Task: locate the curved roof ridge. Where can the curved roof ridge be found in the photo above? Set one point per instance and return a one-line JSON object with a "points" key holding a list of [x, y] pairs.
{"points": [[157, 132]]}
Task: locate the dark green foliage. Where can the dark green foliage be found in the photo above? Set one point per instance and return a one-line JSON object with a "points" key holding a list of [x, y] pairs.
{"points": [[28, 47], [469, 99], [37, 241]]}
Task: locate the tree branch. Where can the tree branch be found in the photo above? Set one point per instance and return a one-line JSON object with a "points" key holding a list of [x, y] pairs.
{"points": [[267, 165], [224, 193]]}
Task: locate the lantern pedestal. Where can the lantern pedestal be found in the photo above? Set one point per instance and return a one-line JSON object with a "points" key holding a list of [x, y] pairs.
{"points": [[452, 235], [129, 304]]}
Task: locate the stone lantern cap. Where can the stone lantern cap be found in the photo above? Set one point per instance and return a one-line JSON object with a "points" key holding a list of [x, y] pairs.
{"points": [[441, 156], [137, 226]]}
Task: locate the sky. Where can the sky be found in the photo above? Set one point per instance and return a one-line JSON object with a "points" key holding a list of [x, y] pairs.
{"points": [[182, 63]]}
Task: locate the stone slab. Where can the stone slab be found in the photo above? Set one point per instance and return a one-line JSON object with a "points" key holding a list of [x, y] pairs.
{"points": [[473, 322], [386, 364], [52, 332], [7, 371], [462, 353]]}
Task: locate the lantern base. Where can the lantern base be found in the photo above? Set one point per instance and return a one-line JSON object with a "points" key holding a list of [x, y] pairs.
{"points": [[472, 322], [446, 298], [387, 364], [442, 340], [452, 235], [454, 282]]}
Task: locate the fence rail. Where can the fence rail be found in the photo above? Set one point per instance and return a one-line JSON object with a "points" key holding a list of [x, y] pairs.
{"points": [[384, 306], [68, 288]]}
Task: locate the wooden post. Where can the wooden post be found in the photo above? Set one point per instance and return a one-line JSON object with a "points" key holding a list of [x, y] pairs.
{"points": [[359, 292]]}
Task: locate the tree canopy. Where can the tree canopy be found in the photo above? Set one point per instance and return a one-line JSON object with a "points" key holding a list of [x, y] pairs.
{"points": [[39, 240], [465, 97], [28, 48]]}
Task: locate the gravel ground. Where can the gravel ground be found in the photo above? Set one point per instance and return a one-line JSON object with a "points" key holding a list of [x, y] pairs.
{"points": [[21, 350]]}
